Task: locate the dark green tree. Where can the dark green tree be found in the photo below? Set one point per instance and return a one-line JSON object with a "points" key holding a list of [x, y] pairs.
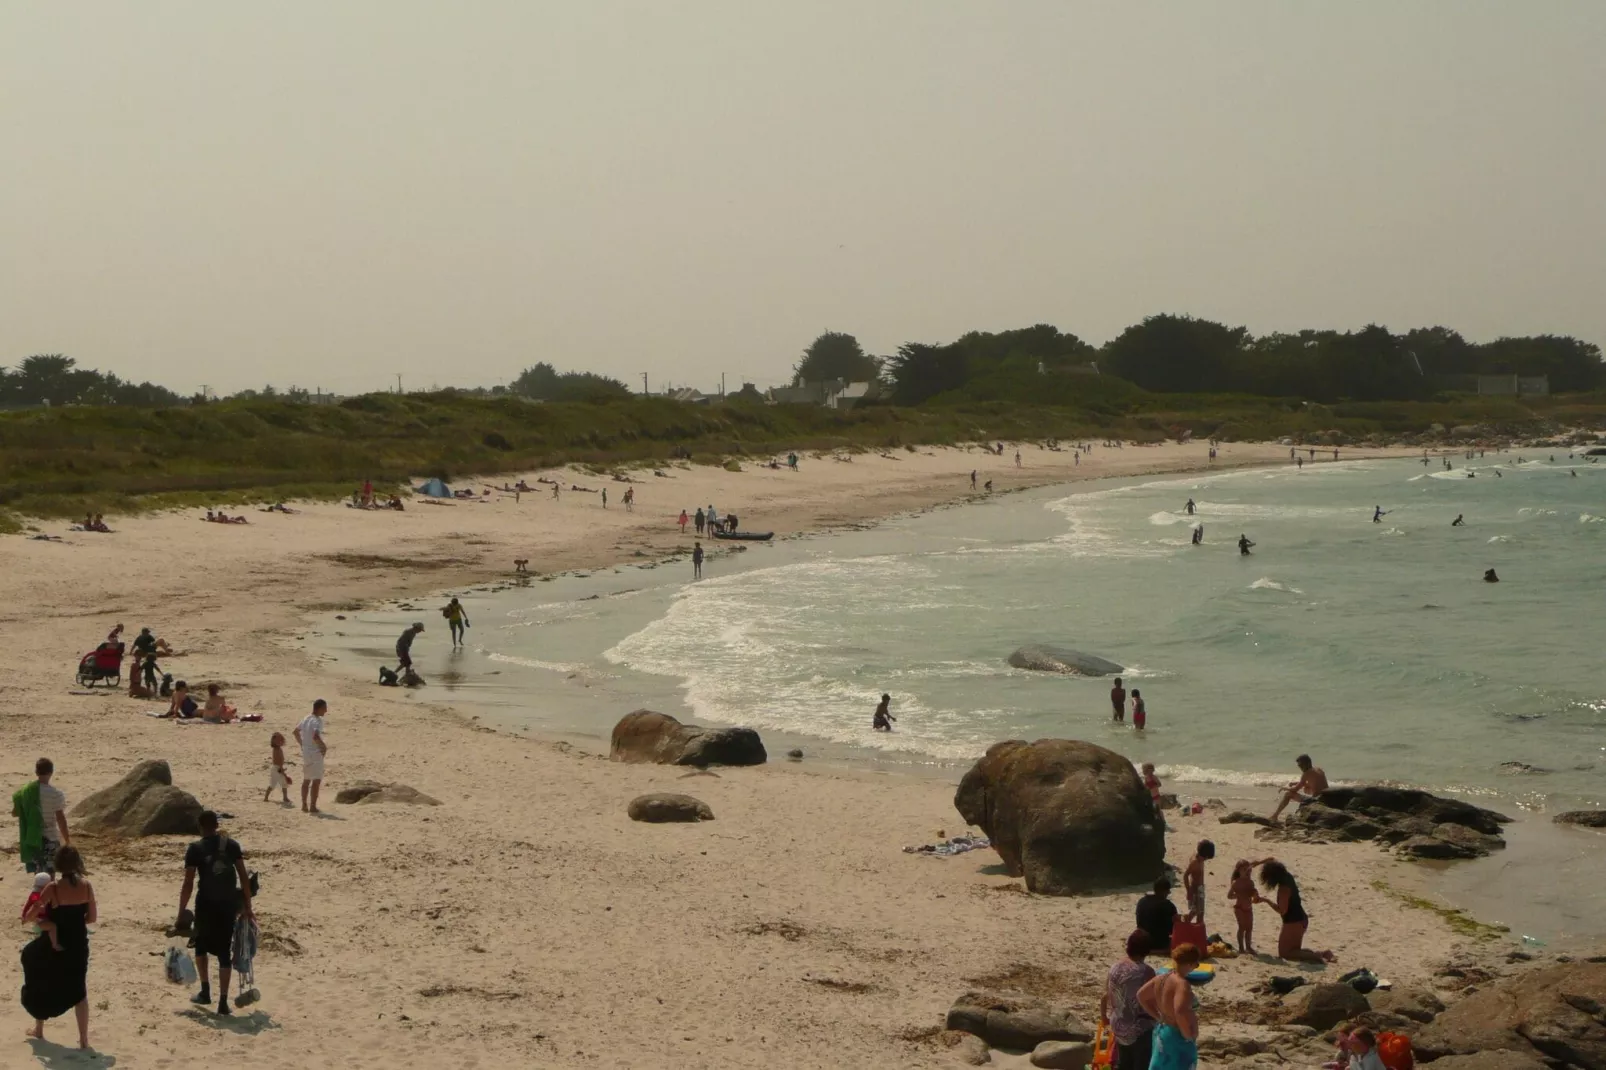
{"points": [[921, 371], [1176, 354], [834, 355]]}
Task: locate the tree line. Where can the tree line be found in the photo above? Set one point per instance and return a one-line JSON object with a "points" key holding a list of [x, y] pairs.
{"points": [[53, 379], [1183, 355]]}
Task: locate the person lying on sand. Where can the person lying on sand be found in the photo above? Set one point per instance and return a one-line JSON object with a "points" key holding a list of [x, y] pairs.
{"points": [[215, 709]]}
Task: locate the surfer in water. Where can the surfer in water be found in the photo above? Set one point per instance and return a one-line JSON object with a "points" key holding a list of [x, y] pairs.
{"points": [[1490, 577], [1198, 534], [1459, 521], [1244, 545], [1378, 513], [1190, 507], [882, 721]]}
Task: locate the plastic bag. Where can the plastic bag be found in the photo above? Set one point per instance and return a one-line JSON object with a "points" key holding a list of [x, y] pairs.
{"points": [[179, 966]]}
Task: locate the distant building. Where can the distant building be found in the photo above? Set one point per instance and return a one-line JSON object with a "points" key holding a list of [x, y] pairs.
{"points": [[831, 393], [688, 394]]}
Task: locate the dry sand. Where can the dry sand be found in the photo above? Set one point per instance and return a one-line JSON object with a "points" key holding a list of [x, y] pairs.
{"points": [[527, 921]]}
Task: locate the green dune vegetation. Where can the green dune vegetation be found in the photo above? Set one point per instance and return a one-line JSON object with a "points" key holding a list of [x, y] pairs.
{"points": [[93, 444]]}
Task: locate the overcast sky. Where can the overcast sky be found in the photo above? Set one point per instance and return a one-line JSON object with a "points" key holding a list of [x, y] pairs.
{"points": [[329, 194]]}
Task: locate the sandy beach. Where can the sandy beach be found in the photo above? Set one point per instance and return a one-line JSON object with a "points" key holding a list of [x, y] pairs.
{"points": [[527, 921]]}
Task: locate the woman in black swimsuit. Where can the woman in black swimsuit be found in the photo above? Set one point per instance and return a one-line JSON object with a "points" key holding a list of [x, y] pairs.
{"points": [[1275, 878], [56, 963]]}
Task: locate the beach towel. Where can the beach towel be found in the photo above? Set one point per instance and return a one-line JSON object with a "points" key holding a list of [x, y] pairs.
{"points": [[956, 846], [243, 954], [30, 820]]}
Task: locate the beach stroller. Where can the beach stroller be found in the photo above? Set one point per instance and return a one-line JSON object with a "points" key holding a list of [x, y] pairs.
{"points": [[103, 664]]}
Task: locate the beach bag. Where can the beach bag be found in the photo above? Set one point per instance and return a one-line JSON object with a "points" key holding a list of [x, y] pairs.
{"points": [[1395, 1051], [1189, 932], [179, 967]]}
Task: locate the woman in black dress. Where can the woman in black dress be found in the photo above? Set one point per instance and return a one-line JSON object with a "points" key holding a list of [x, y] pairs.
{"points": [[56, 963], [1276, 879]]}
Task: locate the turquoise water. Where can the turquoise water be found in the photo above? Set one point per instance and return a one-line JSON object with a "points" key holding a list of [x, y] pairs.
{"points": [[1375, 647]]}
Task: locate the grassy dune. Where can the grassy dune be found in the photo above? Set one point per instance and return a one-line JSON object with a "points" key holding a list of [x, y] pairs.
{"points": [[66, 461]]}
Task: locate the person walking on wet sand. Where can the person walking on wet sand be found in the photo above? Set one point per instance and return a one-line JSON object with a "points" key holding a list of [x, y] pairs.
{"points": [[697, 561], [456, 619], [683, 521], [882, 721], [700, 520], [309, 736], [404, 650], [1118, 700], [1311, 783], [605, 497], [972, 479]]}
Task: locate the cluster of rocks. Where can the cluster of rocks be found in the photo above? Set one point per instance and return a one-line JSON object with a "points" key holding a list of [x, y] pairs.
{"points": [[649, 736], [1055, 1037], [372, 791], [1415, 823], [1060, 659], [1070, 817]]}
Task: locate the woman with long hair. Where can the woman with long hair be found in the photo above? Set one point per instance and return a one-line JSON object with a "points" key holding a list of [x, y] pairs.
{"points": [[1285, 900], [55, 964]]}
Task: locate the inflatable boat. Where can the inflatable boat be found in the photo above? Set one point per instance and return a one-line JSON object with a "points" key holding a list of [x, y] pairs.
{"points": [[745, 536]]}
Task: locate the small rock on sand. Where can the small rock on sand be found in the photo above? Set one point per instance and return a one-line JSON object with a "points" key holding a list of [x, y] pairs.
{"points": [[1062, 1055], [371, 791], [1592, 819], [660, 807]]}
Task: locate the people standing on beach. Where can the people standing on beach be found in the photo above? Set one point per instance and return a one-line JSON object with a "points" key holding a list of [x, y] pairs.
{"points": [[1140, 712], [1275, 878], [713, 519], [697, 561], [556, 488], [1243, 896], [682, 521], [1190, 507], [630, 499], [217, 864], [1311, 783], [1300, 463], [1157, 914], [41, 811], [1168, 999], [404, 649], [309, 737], [882, 721], [1459, 521], [791, 461], [1118, 700], [55, 964], [1193, 881], [988, 486], [1017, 458], [1244, 545], [605, 497], [972, 479], [1131, 1027], [699, 520], [456, 619]]}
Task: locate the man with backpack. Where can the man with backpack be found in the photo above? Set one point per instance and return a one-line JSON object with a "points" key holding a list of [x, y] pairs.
{"points": [[217, 865]]}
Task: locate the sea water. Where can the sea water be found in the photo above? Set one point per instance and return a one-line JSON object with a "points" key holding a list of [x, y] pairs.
{"points": [[1374, 646]]}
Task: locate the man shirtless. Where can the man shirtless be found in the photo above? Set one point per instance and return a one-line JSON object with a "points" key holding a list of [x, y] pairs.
{"points": [[1311, 783]]}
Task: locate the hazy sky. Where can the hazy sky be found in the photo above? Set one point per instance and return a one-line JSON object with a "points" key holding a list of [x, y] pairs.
{"points": [[328, 194]]}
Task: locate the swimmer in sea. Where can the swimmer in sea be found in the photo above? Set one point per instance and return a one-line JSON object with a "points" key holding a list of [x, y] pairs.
{"points": [[1189, 507], [1459, 521], [1490, 577], [1198, 534], [1243, 545], [882, 721]]}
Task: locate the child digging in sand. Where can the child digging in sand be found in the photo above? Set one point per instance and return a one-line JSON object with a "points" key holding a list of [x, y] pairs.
{"points": [[278, 778], [1244, 897]]}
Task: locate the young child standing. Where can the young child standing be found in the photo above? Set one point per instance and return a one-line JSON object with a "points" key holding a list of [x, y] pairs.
{"points": [[278, 778], [1152, 782], [1140, 712], [1243, 895], [1193, 880]]}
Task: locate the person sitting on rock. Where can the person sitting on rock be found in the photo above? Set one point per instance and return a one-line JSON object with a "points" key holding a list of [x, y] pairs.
{"points": [[1311, 783]]}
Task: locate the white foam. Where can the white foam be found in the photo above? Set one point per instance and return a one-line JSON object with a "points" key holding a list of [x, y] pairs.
{"points": [[1266, 583], [564, 667]]}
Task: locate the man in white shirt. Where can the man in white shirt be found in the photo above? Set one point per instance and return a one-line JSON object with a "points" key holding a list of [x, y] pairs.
{"points": [[53, 815], [309, 734]]}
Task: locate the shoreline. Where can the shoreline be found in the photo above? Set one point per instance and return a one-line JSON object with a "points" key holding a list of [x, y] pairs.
{"points": [[526, 920]]}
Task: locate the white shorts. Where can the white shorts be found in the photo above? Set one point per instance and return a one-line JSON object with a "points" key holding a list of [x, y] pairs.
{"points": [[278, 778], [311, 765]]}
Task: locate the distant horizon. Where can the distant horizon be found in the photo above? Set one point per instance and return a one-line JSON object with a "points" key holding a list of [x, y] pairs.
{"points": [[218, 195]]}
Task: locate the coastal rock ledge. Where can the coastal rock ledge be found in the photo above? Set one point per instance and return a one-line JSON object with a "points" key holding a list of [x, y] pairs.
{"points": [[649, 736], [1415, 823], [1042, 658], [1069, 816]]}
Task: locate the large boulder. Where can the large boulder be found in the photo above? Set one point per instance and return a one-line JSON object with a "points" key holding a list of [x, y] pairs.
{"points": [[1062, 1055], [649, 736], [1420, 825], [1325, 1005], [143, 803], [1069, 816], [1015, 1021], [1044, 658], [1556, 1014], [1591, 819], [665, 806]]}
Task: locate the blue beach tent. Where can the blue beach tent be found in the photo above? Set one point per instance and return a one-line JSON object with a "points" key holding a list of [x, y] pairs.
{"points": [[434, 488]]}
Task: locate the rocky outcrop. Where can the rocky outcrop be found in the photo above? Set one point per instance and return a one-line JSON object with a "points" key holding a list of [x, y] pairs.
{"points": [[1491, 1060], [372, 791], [1015, 1021], [649, 736], [143, 803], [1068, 816], [1325, 1005], [663, 806], [1061, 1055], [1244, 817], [1062, 659], [1589, 819], [1420, 825], [1556, 1015], [1417, 1004]]}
